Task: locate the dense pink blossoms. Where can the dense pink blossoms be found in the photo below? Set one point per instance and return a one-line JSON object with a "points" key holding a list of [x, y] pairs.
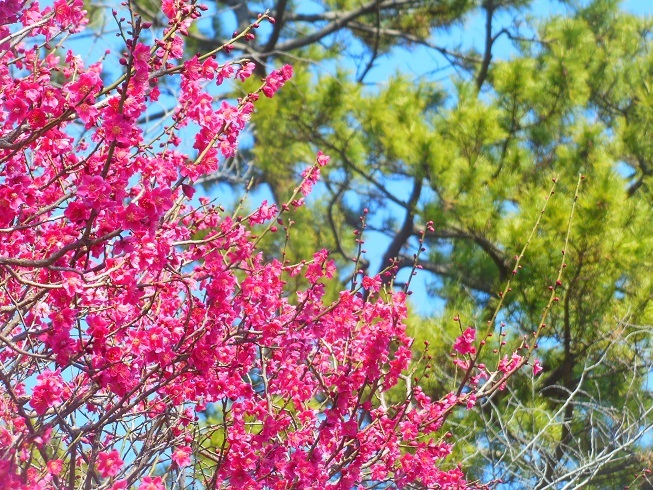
{"points": [[49, 390], [144, 336], [465, 343]]}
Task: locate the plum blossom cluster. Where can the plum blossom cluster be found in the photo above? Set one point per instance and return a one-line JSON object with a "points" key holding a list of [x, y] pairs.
{"points": [[145, 338], [465, 343]]}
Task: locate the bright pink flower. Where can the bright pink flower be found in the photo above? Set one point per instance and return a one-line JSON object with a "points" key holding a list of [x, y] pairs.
{"points": [[9, 10], [109, 463], [77, 212], [465, 343], [310, 176], [245, 71], [471, 401], [17, 109], [181, 456], [84, 88], [169, 8], [264, 213], [117, 128], [55, 466], [141, 54], [70, 16], [48, 392], [322, 159], [93, 188], [372, 284], [225, 72], [507, 365], [537, 367], [149, 483], [275, 80], [320, 267]]}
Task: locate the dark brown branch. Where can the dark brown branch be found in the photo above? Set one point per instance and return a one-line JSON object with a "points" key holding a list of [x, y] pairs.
{"points": [[332, 202], [324, 143], [405, 232], [375, 50], [276, 32], [486, 245], [241, 11], [340, 20], [447, 270], [489, 41], [384, 31]]}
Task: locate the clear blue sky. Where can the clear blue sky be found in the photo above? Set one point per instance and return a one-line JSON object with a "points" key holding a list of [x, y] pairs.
{"points": [[422, 60]]}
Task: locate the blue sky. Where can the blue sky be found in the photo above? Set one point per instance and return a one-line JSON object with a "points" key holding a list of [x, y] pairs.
{"points": [[422, 61], [640, 7]]}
